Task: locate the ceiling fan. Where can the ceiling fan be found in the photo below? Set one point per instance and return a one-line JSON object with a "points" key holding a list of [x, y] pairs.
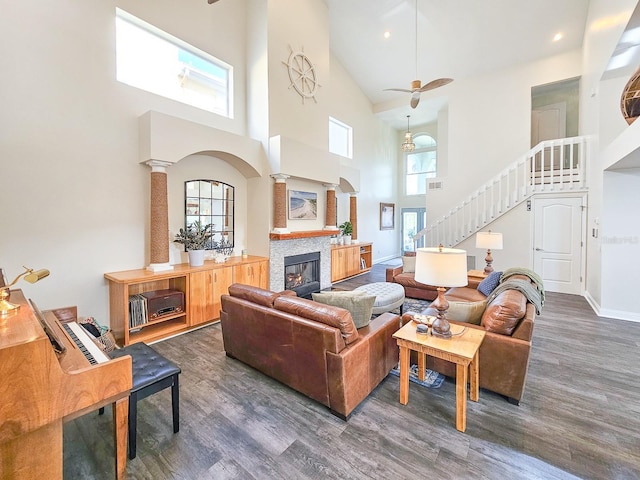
{"points": [[212, 1], [416, 86]]}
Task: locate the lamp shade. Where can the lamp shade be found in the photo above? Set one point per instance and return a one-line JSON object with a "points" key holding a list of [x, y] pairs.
{"points": [[489, 240], [441, 267]]}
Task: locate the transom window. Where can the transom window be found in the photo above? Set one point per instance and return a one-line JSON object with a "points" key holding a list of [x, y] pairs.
{"points": [[152, 60], [340, 138], [421, 164]]}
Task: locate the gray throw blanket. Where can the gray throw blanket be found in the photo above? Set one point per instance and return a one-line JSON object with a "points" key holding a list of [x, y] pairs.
{"points": [[533, 290]]}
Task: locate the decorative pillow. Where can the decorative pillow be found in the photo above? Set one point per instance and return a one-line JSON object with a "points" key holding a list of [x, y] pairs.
{"points": [[505, 312], [489, 284], [408, 264], [358, 303], [468, 312]]}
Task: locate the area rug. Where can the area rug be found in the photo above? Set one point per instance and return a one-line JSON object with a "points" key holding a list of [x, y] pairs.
{"points": [[431, 379]]}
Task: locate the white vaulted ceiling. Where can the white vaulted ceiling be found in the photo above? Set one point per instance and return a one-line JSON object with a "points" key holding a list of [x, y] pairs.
{"points": [[456, 38]]}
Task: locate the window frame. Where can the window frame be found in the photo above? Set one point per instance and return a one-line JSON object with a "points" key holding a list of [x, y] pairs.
{"points": [[349, 136], [225, 82], [407, 174]]}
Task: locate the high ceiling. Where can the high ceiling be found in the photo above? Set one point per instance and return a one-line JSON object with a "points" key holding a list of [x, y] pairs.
{"points": [[455, 38]]}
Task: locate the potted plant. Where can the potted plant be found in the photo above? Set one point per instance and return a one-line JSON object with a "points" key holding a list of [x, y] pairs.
{"points": [[195, 238], [346, 229]]}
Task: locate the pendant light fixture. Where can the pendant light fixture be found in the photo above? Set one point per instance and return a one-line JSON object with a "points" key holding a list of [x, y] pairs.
{"points": [[408, 145]]}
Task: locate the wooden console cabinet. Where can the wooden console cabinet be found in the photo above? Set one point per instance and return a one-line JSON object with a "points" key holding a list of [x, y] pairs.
{"points": [[202, 287], [350, 260]]}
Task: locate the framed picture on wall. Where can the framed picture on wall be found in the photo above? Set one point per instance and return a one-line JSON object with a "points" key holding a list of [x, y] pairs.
{"points": [[303, 205], [387, 215]]}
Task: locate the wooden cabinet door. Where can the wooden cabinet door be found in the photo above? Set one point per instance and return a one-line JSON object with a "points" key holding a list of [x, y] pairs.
{"points": [[222, 278], [255, 274], [352, 260], [201, 301], [337, 265]]}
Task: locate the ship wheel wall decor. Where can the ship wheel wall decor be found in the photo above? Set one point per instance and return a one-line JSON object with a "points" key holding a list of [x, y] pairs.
{"points": [[630, 100], [302, 75]]}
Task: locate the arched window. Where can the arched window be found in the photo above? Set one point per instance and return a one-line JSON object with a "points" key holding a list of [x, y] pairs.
{"points": [[420, 164]]}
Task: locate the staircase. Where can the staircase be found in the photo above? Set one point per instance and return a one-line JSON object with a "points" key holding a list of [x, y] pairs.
{"points": [[552, 166]]}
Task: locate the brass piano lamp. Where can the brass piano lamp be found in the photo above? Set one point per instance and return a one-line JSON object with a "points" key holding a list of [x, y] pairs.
{"points": [[31, 276]]}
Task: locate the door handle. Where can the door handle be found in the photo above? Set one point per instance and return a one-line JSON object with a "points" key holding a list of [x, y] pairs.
{"points": [[539, 250]]}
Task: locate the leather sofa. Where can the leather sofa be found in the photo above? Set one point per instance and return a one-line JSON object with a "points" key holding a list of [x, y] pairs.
{"points": [[311, 347], [504, 354], [412, 288]]}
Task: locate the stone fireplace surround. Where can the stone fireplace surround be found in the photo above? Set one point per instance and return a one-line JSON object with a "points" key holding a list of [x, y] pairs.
{"points": [[297, 245]]}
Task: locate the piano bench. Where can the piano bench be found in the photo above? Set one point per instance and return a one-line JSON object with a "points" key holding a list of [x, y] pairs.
{"points": [[151, 373]]}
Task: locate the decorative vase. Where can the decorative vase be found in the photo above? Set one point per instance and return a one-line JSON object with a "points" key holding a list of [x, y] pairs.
{"points": [[196, 258]]}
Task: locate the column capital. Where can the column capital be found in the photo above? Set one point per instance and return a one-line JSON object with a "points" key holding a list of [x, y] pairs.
{"points": [[158, 165], [329, 186], [353, 194], [280, 177]]}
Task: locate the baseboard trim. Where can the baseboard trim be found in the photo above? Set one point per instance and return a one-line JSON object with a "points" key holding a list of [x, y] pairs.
{"points": [[609, 313]]}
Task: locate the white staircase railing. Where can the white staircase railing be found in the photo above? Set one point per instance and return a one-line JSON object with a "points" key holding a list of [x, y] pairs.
{"points": [[551, 166]]}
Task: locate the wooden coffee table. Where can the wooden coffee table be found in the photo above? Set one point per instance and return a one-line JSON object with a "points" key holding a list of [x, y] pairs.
{"points": [[461, 350]]}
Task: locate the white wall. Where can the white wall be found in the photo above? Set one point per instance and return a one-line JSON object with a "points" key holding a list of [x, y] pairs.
{"points": [[489, 124], [75, 199], [620, 239]]}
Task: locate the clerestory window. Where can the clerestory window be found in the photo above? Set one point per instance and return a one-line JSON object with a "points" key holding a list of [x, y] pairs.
{"points": [[421, 164], [152, 60]]}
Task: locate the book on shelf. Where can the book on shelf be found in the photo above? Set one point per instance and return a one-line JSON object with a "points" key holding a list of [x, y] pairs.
{"points": [[138, 312], [363, 264]]}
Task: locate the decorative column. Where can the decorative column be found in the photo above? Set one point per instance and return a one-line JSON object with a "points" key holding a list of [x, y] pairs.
{"points": [[353, 215], [159, 218], [280, 203], [330, 212]]}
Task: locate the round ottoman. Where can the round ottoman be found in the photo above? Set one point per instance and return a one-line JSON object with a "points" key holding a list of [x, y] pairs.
{"points": [[389, 296]]}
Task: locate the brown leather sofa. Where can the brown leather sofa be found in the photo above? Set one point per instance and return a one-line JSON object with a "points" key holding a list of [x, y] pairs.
{"points": [[412, 288], [504, 354], [311, 347]]}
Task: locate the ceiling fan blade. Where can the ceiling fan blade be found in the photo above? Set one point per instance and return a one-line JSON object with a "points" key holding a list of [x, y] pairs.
{"points": [[212, 1], [415, 99], [398, 90], [439, 82]]}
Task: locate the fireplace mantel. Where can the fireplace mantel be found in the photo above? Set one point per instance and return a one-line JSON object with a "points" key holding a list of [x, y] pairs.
{"points": [[304, 234]]}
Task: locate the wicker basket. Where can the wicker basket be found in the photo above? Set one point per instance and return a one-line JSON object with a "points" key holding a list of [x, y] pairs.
{"points": [[106, 341]]}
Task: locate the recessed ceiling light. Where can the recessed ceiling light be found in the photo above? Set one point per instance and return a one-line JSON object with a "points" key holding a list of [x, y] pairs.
{"points": [[557, 36], [387, 34]]}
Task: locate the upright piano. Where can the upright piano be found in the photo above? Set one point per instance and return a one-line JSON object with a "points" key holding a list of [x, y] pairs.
{"points": [[41, 388]]}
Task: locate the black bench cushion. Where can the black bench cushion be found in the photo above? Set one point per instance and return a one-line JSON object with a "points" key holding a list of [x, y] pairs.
{"points": [[149, 366]]}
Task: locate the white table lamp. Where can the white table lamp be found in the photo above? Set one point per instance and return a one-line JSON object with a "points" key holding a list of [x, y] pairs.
{"points": [[441, 267], [491, 241]]}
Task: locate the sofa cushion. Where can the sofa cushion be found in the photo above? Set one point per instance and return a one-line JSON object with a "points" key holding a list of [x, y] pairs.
{"points": [[257, 295], [489, 284], [464, 294], [504, 313], [468, 312], [328, 314], [408, 264], [359, 304]]}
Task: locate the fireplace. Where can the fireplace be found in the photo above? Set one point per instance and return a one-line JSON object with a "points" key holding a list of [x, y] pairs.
{"points": [[302, 273]]}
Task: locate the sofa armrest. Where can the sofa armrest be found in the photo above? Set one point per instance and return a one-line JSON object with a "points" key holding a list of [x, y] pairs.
{"points": [[392, 272], [524, 330], [504, 362], [355, 371]]}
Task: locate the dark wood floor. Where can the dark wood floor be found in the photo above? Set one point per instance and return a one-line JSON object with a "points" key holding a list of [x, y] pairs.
{"points": [[579, 418]]}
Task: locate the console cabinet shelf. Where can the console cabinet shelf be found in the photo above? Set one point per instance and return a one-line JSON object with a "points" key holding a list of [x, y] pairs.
{"points": [[202, 287], [350, 260]]}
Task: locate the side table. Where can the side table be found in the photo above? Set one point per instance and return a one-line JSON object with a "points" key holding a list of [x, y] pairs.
{"points": [[461, 350]]}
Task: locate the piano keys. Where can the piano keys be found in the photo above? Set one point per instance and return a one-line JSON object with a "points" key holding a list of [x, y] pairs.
{"points": [[40, 389]]}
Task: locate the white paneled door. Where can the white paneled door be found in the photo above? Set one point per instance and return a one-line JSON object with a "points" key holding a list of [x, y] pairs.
{"points": [[558, 243]]}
